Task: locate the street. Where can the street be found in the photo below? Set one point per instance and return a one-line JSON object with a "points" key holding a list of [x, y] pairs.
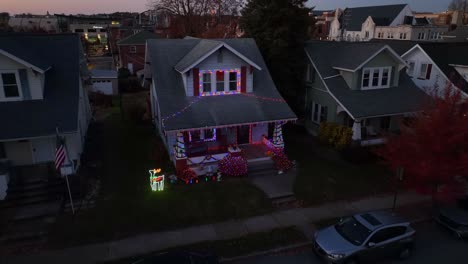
{"points": [[433, 245]]}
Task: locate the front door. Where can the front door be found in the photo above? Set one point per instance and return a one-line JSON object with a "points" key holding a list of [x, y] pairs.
{"points": [[243, 135]]}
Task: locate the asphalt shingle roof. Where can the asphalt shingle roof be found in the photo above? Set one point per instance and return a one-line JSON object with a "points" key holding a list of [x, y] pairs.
{"points": [[59, 108], [407, 97], [139, 38], [446, 54], [203, 47], [353, 18], [212, 111]]}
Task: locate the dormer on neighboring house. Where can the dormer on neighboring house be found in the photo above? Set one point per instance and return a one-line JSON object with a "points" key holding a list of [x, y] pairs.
{"points": [[41, 93], [210, 98], [361, 85], [21, 79]]}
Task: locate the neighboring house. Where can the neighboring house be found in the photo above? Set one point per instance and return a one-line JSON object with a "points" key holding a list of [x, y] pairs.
{"points": [[460, 34], [208, 95], [132, 50], [323, 21], [436, 65], [362, 85], [104, 81], [41, 91], [383, 22]]}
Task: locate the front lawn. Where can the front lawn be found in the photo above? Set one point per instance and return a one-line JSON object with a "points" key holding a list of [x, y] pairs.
{"points": [[323, 175], [124, 151], [241, 246]]}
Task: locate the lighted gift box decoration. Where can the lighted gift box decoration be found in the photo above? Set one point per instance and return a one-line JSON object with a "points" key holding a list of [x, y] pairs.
{"points": [[156, 180]]}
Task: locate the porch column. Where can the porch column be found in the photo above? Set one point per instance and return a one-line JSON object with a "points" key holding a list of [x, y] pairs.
{"points": [[179, 153], [357, 130], [278, 135]]}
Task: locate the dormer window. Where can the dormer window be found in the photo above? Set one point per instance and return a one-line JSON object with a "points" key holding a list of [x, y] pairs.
{"points": [[375, 78], [10, 86], [220, 82]]}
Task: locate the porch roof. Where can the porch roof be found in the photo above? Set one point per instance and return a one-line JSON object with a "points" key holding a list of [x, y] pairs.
{"points": [[406, 98], [229, 110]]}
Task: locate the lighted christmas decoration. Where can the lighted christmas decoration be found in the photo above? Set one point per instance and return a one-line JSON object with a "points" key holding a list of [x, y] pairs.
{"points": [[282, 163], [233, 165], [180, 146], [175, 114], [278, 135], [238, 83], [188, 176], [156, 180]]}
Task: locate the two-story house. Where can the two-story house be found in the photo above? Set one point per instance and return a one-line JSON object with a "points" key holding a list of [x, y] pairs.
{"points": [[41, 91], [368, 91], [383, 22], [213, 97], [132, 50]]}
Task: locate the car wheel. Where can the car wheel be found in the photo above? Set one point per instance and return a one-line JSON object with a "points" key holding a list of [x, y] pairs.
{"points": [[405, 253]]}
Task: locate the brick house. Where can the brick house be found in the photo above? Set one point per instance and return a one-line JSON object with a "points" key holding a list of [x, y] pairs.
{"points": [[132, 51]]}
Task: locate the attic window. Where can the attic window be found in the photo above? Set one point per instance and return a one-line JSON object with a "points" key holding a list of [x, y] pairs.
{"points": [[10, 89], [374, 78], [220, 82]]}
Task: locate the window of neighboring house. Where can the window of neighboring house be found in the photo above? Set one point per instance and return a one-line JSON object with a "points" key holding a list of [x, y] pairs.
{"points": [[2, 151], [132, 49], [206, 82], [91, 30], [373, 78], [219, 81], [232, 81], [390, 35], [410, 69], [425, 71], [10, 86], [402, 35], [421, 35], [367, 34], [319, 113], [79, 30]]}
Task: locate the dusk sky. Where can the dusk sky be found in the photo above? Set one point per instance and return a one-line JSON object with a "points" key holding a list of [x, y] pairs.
{"points": [[106, 6]]}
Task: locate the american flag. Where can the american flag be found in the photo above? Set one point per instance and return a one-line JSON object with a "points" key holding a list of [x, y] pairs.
{"points": [[60, 153]]}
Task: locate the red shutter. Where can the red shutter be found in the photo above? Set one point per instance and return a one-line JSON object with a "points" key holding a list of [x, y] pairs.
{"points": [[243, 79], [428, 73], [196, 82]]}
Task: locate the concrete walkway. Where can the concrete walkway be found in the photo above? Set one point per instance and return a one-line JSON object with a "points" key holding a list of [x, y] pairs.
{"points": [[161, 240]]}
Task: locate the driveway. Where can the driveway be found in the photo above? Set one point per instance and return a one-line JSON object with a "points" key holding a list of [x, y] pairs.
{"points": [[434, 245]]}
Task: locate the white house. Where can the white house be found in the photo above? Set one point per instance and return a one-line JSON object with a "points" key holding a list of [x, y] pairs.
{"points": [[104, 81], [41, 90], [435, 66], [383, 22]]}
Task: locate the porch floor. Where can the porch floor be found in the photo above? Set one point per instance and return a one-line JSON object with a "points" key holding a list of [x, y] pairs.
{"points": [[254, 151]]}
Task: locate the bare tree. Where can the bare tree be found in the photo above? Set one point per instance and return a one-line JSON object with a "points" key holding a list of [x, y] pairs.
{"points": [[460, 5], [195, 14]]}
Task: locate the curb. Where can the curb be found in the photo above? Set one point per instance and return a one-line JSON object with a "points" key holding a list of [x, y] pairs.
{"points": [[266, 252]]}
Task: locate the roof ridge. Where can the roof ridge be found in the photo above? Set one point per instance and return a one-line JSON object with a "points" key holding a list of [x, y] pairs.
{"points": [[375, 6]]}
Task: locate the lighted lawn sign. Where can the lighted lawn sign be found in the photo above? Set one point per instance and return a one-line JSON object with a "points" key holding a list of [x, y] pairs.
{"points": [[156, 180]]}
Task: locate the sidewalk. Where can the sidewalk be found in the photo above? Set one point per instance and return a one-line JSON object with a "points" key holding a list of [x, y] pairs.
{"points": [[226, 230]]}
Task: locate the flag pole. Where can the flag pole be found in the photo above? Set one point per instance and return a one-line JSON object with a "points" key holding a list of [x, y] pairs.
{"points": [[66, 176]]}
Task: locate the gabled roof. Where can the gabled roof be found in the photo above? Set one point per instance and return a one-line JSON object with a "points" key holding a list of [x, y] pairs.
{"points": [[202, 50], [445, 55], [138, 38], [26, 57], [353, 18], [399, 46], [59, 108], [265, 104], [405, 98]]}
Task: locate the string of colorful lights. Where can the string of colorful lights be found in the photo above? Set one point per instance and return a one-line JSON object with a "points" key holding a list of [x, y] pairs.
{"points": [[197, 99], [280, 100]]}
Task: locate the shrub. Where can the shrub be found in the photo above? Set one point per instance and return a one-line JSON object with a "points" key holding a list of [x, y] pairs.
{"points": [[336, 135], [233, 166], [187, 175]]}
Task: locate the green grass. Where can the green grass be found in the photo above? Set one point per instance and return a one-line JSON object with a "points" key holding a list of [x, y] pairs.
{"points": [[323, 176], [241, 246], [126, 151]]}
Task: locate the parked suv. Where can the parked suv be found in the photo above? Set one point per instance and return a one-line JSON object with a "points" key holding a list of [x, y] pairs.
{"points": [[366, 237], [455, 218]]}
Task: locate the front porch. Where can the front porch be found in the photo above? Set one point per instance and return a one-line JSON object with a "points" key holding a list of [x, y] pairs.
{"points": [[201, 150]]}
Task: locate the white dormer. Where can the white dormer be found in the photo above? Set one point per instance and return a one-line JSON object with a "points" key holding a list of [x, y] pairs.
{"points": [[215, 68], [20, 80]]}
